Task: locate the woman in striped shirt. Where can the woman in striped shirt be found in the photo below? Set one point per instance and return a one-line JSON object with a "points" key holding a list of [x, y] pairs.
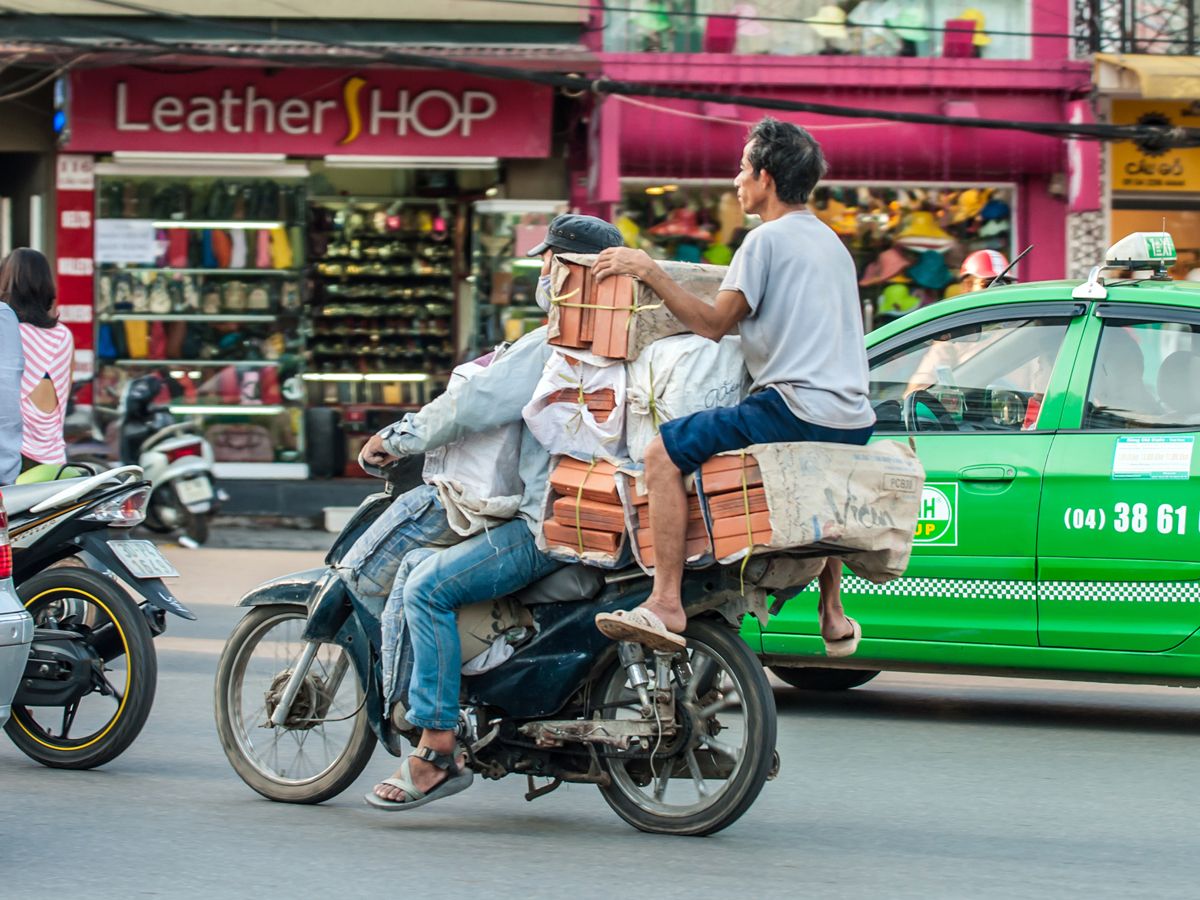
{"points": [[27, 285]]}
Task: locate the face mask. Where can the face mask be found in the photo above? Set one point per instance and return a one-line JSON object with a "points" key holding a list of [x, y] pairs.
{"points": [[542, 293]]}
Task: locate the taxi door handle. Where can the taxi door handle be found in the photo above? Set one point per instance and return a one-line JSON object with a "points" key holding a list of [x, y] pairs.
{"points": [[987, 473]]}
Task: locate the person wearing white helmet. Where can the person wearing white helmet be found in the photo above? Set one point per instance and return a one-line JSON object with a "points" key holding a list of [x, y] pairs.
{"points": [[982, 268]]}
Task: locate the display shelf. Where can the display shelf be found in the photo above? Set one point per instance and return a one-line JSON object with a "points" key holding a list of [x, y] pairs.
{"points": [[224, 409], [372, 199], [380, 314], [171, 270], [192, 317], [220, 224], [201, 363], [373, 276]]}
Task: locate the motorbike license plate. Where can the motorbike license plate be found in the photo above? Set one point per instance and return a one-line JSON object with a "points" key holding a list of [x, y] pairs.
{"points": [[143, 559], [194, 490]]}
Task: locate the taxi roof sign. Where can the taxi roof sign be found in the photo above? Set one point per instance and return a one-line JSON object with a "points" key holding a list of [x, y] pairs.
{"points": [[1142, 250]]}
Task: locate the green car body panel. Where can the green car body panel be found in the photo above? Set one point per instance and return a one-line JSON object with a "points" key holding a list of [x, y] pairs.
{"points": [[1055, 549]]}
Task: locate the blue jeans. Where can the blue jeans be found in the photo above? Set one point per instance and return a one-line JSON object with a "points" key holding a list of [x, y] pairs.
{"points": [[484, 567], [415, 519], [762, 418], [376, 567]]}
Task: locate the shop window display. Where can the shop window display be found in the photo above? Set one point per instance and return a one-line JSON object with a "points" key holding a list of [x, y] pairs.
{"points": [[504, 277], [203, 289], [381, 290], [908, 241]]}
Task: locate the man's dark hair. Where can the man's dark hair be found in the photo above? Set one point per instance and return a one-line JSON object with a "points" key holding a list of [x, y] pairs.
{"points": [[790, 154], [27, 285]]}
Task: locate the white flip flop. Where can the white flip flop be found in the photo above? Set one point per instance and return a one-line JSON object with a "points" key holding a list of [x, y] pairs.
{"points": [[641, 626]]}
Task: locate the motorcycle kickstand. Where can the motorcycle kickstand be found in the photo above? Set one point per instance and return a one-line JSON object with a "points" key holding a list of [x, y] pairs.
{"points": [[292, 688], [534, 792]]}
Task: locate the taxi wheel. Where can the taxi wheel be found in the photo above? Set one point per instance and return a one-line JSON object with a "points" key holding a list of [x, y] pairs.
{"points": [[812, 678]]}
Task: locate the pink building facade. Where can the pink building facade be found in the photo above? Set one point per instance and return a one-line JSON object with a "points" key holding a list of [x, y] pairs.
{"points": [[663, 167]]}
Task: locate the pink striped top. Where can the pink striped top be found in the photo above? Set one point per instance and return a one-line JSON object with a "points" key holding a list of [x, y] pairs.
{"points": [[49, 353]]}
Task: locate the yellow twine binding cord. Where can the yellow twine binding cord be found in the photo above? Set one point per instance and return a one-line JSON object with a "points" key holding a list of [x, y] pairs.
{"points": [[578, 500], [749, 528], [652, 403]]}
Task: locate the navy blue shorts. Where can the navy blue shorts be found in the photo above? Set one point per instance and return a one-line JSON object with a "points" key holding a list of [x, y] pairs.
{"points": [[762, 418]]}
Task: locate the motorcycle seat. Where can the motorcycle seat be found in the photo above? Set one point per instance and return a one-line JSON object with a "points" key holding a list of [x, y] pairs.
{"points": [[20, 498], [570, 583]]}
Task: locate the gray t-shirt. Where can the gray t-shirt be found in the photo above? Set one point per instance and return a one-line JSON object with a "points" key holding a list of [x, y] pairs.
{"points": [[804, 334]]}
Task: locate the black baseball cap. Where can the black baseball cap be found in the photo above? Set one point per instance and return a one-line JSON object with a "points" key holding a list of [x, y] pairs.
{"points": [[571, 233]]}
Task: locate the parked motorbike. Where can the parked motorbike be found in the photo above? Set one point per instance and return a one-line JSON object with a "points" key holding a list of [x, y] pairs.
{"points": [[176, 458], [678, 743], [90, 678]]}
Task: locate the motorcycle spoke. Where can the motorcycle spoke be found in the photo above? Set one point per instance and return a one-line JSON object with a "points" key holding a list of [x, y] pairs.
{"points": [[697, 775], [69, 713], [729, 701], [711, 743], [700, 673], [664, 778]]}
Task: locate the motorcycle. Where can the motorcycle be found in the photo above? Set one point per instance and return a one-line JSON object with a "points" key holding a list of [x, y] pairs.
{"points": [[90, 678], [677, 743], [176, 458]]}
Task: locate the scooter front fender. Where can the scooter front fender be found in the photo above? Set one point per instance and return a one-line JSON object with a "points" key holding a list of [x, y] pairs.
{"points": [[94, 550], [295, 588]]}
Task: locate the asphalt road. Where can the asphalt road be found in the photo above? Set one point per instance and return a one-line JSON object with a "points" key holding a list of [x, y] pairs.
{"points": [[911, 786]]}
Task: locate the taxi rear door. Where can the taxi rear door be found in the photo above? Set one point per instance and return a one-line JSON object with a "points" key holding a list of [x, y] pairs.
{"points": [[1119, 529], [972, 576]]}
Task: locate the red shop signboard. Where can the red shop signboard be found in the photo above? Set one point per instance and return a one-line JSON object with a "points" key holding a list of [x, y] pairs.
{"points": [[308, 112]]}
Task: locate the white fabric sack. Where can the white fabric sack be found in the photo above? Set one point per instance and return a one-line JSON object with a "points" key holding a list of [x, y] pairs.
{"points": [[568, 428], [678, 376], [477, 477]]}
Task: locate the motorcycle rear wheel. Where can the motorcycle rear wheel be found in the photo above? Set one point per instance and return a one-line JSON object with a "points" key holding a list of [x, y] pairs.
{"points": [[724, 677], [85, 601], [255, 751]]}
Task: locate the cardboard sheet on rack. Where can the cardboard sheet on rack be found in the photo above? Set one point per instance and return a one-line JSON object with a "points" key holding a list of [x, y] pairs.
{"points": [[651, 320], [863, 501]]}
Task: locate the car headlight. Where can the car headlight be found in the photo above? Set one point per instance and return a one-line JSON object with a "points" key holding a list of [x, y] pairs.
{"points": [[122, 511]]}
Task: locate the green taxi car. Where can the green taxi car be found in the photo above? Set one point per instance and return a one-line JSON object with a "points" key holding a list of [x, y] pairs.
{"points": [[1059, 534]]}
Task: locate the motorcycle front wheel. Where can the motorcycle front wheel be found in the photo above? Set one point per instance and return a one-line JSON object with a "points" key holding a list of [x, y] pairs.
{"points": [[104, 717], [705, 777], [326, 741]]}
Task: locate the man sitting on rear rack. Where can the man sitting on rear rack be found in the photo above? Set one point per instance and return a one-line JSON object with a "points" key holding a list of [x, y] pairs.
{"points": [[792, 294]]}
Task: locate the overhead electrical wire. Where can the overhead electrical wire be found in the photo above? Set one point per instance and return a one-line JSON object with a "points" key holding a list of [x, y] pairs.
{"points": [[1152, 137], [809, 20]]}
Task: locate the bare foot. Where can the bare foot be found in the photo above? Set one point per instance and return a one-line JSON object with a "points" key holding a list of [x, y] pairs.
{"points": [[673, 617], [425, 777], [836, 627]]}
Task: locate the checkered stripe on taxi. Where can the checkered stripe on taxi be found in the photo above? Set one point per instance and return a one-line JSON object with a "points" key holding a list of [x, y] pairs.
{"points": [[1122, 591], [975, 588]]}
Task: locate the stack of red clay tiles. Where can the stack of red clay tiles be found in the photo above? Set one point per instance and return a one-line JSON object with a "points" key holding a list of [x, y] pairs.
{"points": [[594, 315], [599, 403], [695, 540], [737, 503], [587, 513]]}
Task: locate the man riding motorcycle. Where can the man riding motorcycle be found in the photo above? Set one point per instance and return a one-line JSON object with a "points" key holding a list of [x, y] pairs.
{"points": [[433, 571]]}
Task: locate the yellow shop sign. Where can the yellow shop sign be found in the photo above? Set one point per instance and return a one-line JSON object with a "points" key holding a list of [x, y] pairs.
{"points": [[1134, 169]]}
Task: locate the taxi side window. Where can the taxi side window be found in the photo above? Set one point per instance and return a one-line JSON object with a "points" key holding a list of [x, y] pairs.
{"points": [[1146, 376], [988, 376]]}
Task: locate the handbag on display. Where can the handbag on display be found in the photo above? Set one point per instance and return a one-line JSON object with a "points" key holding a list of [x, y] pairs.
{"points": [[241, 443], [234, 297]]}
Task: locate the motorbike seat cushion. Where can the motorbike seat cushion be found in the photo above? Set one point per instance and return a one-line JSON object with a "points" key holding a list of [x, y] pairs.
{"points": [[570, 583], [20, 498]]}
